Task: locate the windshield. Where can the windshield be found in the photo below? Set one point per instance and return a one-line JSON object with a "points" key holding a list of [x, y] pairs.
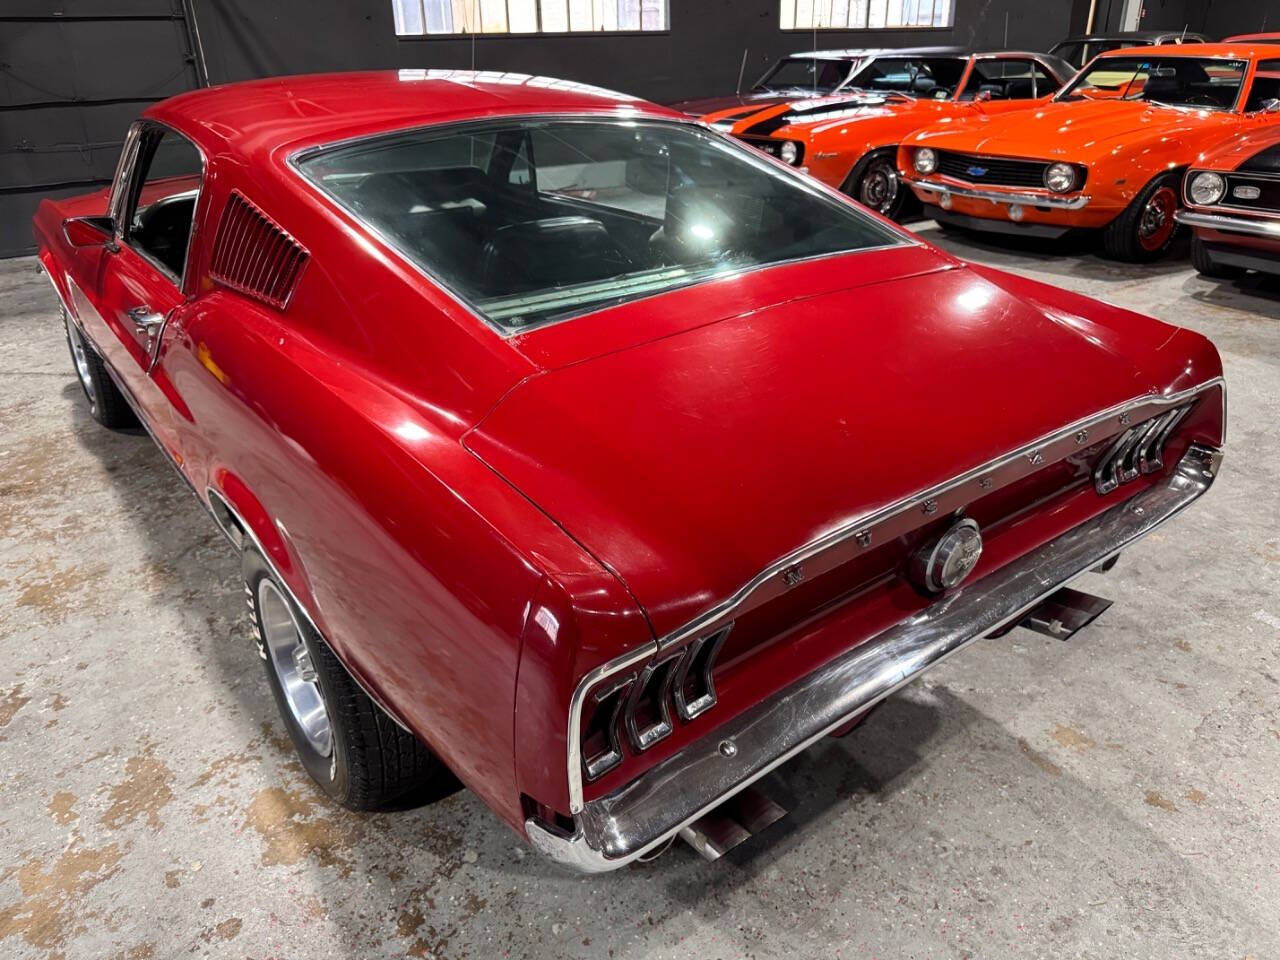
{"points": [[531, 221], [805, 73], [1201, 82], [932, 77], [1079, 52]]}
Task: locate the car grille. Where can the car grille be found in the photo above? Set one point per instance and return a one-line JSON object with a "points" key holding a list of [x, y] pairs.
{"points": [[1268, 192], [995, 170]]}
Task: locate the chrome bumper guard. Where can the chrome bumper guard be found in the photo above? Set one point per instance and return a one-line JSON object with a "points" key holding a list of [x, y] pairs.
{"points": [[1250, 226], [1000, 196], [637, 818]]}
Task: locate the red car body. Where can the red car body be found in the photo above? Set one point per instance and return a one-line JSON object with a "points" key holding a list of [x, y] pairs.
{"points": [[1240, 230], [491, 530]]}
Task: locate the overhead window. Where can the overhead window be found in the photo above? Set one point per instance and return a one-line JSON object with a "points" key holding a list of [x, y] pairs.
{"points": [[422, 18], [865, 14]]}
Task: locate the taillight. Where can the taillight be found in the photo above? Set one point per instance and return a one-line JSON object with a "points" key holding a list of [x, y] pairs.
{"points": [[1138, 450], [643, 708], [601, 743]]}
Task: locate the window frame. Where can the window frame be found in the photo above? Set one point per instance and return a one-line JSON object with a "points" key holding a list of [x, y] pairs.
{"points": [[666, 29], [866, 19], [900, 237], [126, 188]]}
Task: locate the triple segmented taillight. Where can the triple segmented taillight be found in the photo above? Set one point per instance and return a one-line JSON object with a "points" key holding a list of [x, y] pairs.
{"points": [[1136, 451], [642, 708]]}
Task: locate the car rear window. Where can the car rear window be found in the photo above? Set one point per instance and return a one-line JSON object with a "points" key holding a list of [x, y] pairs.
{"points": [[534, 221]]}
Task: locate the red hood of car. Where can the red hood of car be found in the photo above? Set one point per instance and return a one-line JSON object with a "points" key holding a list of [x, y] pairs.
{"points": [[705, 105], [689, 462]]}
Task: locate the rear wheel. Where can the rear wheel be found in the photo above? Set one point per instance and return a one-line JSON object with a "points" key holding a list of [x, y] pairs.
{"points": [[107, 404], [356, 753], [1204, 263], [874, 182], [1146, 229]]}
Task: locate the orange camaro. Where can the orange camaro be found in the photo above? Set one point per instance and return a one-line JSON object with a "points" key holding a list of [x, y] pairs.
{"points": [[850, 140], [1107, 152]]}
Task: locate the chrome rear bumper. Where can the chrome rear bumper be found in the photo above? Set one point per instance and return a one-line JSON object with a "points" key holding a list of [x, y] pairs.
{"points": [[625, 825]]}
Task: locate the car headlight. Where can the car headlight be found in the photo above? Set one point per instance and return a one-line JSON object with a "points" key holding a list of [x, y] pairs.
{"points": [[1207, 189], [789, 152], [1060, 177], [925, 160]]}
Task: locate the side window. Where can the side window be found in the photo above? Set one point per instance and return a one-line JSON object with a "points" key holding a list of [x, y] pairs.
{"points": [[1007, 80], [1266, 85], [162, 200]]}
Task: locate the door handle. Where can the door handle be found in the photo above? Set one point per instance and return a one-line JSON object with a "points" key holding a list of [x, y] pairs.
{"points": [[145, 319]]}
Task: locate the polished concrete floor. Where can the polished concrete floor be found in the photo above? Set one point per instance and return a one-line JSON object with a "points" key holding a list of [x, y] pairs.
{"points": [[1117, 795]]}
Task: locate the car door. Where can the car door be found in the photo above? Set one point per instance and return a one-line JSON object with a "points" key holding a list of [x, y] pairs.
{"points": [[143, 283]]}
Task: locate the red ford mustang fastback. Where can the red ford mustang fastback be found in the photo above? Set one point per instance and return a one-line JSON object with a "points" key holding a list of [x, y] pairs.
{"points": [[581, 452]]}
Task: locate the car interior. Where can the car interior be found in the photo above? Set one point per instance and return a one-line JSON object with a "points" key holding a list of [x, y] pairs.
{"points": [[931, 77]]}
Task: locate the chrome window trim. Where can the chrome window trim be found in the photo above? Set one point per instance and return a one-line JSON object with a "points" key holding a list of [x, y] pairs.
{"points": [[714, 616], [751, 155], [122, 187]]}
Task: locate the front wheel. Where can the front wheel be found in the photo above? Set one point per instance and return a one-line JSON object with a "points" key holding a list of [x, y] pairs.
{"points": [[1206, 266], [356, 753], [874, 182], [1145, 230], [107, 404]]}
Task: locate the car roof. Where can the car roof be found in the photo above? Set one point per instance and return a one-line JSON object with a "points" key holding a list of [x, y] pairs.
{"points": [[263, 116], [1245, 51], [1130, 35], [850, 53]]}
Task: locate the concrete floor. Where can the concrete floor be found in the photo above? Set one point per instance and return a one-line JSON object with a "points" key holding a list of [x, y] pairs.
{"points": [[1114, 796]]}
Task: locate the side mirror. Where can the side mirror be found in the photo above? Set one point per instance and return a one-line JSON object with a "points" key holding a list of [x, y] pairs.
{"points": [[982, 96], [1269, 106], [89, 232]]}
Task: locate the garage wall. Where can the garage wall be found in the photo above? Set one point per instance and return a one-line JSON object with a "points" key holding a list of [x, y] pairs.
{"points": [[699, 56]]}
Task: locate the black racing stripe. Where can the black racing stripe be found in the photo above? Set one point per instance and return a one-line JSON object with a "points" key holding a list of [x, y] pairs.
{"points": [[1265, 161]]}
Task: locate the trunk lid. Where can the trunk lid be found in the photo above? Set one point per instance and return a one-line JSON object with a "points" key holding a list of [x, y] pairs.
{"points": [[690, 462]]}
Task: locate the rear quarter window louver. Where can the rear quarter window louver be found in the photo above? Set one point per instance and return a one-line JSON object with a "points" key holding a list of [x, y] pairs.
{"points": [[254, 256]]}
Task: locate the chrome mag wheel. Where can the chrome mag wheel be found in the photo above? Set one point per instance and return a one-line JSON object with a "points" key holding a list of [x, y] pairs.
{"points": [[80, 356], [290, 659], [879, 186]]}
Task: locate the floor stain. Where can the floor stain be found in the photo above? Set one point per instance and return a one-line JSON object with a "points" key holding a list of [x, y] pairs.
{"points": [[60, 807], [1073, 739], [1197, 797], [51, 909], [1155, 799], [1039, 759], [285, 820], [53, 592], [144, 792], [11, 703]]}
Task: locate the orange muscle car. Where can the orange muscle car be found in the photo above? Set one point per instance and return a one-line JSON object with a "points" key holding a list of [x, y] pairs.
{"points": [[1107, 152], [850, 140], [1233, 206]]}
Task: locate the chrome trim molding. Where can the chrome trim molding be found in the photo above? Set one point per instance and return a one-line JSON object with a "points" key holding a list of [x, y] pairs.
{"points": [[640, 816], [1250, 226], [994, 196], [856, 530]]}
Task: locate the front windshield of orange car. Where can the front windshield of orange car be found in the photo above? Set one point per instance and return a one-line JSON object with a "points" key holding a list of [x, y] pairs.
{"points": [[1202, 83], [934, 78], [530, 221], [804, 74]]}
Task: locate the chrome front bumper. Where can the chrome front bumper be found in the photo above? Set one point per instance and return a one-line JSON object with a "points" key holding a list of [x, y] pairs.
{"points": [[616, 829], [1003, 196], [1249, 226]]}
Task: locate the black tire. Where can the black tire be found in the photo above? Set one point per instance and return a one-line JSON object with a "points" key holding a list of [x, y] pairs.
{"points": [[372, 763], [1135, 236], [107, 404], [874, 182], [1206, 266]]}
